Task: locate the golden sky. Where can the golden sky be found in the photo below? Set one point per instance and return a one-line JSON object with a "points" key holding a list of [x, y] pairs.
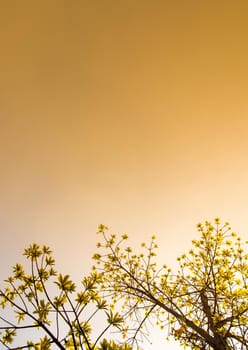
{"points": [[129, 113]]}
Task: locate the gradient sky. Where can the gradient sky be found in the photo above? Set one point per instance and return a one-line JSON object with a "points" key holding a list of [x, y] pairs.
{"points": [[128, 113]]}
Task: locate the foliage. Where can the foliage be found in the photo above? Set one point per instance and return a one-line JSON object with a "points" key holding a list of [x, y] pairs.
{"points": [[44, 304], [204, 305]]}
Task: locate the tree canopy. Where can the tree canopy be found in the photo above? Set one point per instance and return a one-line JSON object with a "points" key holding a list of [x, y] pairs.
{"points": [[204, 304], [44, 309]]}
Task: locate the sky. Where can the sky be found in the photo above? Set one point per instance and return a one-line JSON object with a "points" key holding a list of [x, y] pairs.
{"points": [[128, 113]]}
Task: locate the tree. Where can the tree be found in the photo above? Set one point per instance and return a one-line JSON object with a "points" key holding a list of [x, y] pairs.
{"points": [[204, 305], [44, 304]]}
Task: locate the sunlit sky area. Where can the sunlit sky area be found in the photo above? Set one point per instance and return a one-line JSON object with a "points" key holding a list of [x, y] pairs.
{"points": [[129, 113]]}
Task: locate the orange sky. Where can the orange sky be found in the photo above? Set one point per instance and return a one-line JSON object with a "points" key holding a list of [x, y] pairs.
{"points": [[128, 113]]}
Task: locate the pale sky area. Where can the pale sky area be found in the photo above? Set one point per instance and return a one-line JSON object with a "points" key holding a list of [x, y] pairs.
{"points": [[129, 113]]}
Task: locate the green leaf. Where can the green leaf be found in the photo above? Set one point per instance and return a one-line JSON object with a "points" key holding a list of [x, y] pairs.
{"points": [[8, 336], [64, 283], [18, 271], [114, 319]]}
